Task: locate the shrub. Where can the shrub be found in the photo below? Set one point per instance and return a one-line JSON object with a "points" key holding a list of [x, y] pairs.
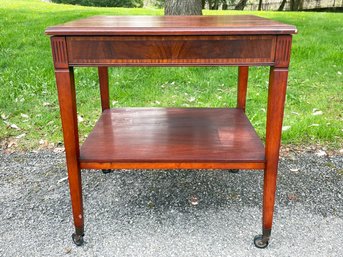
{"points": [[103, 3]]}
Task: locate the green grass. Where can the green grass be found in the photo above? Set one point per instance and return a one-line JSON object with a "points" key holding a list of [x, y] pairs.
{"points": [[27, 84]]}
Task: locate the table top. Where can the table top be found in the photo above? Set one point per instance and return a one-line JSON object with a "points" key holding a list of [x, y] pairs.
{"points": [[172, 25]]}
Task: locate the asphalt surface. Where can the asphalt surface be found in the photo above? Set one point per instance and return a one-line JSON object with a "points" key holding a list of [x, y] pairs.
{"points": [[168, 212]]}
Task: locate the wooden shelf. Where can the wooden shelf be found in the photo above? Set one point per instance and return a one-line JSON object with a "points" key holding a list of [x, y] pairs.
{"points": [[172, 138]]}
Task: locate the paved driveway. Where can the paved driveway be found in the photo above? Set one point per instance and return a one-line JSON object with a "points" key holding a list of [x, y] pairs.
{"points": [[151, 213]]}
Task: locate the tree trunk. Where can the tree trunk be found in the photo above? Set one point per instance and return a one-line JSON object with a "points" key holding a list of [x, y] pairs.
{"points": [[292, 5], [182, 7], [260, 5], [212, 4], [301, 5], [241, 4], [295, 5], [282, 5]]}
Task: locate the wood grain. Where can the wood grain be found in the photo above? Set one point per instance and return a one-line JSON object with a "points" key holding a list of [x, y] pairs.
{"points": [[171, 25], [177, 50], [283, 51], [67, 101], [160, 138], [168, 135], [243, 72], [175, 165], [104, 88], [59, 52], [275, 110]]}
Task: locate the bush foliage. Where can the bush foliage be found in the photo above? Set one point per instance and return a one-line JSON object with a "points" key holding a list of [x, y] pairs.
{"points": [[103, 3]]}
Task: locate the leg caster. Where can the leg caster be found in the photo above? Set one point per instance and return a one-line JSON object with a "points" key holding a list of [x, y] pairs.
{"points": [[261, 242], [106, 171], [234, 171], [77, 239]]}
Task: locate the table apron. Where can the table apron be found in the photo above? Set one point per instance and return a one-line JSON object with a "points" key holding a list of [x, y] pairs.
{"points": [[170, 50]]}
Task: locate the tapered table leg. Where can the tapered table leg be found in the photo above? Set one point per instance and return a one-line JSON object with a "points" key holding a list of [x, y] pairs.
{"points": [[243, 72], [276, 100], [104, 95], [104, 90], [67, 101]]}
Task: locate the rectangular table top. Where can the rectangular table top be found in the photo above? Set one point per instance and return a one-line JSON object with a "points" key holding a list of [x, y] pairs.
{"points": [[172, 25]]}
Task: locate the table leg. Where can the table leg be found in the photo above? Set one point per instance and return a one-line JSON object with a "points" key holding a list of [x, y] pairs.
{"points": [[276, 100], [241, 93], [104, 94], [243, 72], [104, 91], [67, 101]]}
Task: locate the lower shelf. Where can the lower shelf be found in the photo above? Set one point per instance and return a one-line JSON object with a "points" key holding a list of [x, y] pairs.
{"points": [[190, 138]]}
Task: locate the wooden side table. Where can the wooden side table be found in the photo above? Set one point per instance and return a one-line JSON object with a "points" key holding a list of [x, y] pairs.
{"points": [[168, 138]]}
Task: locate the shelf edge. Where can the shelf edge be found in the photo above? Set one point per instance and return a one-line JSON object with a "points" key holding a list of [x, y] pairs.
{"points": [[172, 165]]}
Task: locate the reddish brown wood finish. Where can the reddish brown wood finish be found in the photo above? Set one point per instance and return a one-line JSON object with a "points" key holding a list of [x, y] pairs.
{"points": [[59, 52], [67, 101], [243, 72], [276, 100], [171, 50], [173, 136], [171, 25], [283, 51], [104, 90], [175, 165]]}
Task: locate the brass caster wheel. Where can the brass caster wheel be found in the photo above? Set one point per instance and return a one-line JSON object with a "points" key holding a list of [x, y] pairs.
{"points": [[259, 242], [77, 239], [106, 171], [234, 171]]}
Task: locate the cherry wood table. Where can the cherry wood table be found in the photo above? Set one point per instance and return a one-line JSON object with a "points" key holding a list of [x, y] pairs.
{"points": [[172, 138]]}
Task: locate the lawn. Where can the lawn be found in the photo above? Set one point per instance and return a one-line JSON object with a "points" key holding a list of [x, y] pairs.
{"points": [[28, 100]]}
